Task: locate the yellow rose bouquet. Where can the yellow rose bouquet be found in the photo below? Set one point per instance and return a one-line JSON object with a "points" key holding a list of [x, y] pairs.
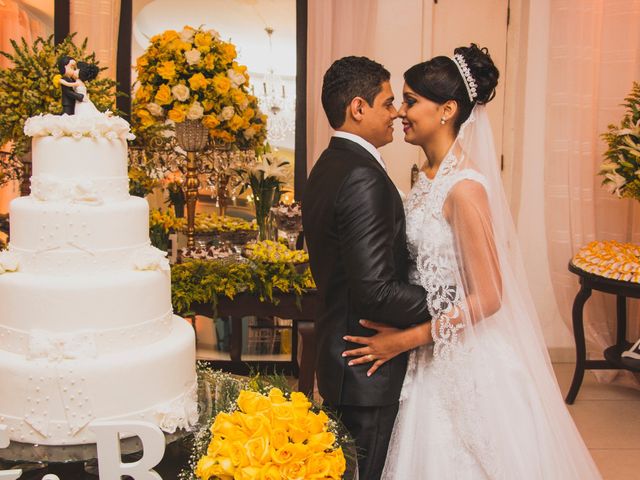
{"points": [[271, 434], [194, 75]]}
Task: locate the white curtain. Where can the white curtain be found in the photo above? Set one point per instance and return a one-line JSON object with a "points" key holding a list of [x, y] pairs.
{"points": [[336, 28], [594, 57], [98, 21]]}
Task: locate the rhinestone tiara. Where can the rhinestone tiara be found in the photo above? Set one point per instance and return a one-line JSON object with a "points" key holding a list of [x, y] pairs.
{"points": [[469, 81]]}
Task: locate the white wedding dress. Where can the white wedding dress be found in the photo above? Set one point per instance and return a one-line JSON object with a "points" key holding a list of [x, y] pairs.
{"points": [[86, 106], [482, 401]]}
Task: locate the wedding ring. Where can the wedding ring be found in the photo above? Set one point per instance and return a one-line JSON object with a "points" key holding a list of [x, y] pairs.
{"points": [[370, 357]]}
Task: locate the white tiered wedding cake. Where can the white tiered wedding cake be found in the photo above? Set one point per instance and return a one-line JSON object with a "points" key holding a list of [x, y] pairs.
{"points": [[86, 326]]}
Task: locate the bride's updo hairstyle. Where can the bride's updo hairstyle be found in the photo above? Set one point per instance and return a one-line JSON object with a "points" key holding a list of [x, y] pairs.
{"points": [[87, 71], [440, 80]]}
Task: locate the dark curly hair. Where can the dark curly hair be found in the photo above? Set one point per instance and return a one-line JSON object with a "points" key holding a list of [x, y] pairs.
{"points": [[87, 71], [439, 80], [347, 78]]}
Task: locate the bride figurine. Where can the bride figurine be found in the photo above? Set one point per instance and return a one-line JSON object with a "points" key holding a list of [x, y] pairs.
{"points": [[84, 73]]}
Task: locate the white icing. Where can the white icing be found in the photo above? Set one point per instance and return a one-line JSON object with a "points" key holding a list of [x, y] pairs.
{"points": [[151, 258], [9, 261], [102, 125]]}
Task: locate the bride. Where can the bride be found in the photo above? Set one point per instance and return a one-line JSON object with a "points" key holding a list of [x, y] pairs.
{"points": [[85, 73], [480, 399]]}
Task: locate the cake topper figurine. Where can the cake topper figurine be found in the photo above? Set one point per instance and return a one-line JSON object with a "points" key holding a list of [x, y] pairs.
{"points": [[83, 73], [67, 67]]}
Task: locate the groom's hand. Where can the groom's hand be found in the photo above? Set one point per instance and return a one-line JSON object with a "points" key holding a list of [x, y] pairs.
{"points": [[379, 348]]}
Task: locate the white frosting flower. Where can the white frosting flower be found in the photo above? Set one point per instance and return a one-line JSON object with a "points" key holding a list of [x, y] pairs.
{"points": [[192, 56], [9, 261], [151, 258], [196, 111], [227, 113], [155, 109], [180, 92], [236, 78], [95, 126]]}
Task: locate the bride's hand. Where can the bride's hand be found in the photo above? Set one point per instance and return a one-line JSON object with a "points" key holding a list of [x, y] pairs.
{"points": [[379, 348]]}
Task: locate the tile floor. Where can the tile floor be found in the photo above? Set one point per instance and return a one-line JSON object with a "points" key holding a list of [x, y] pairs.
{"points": [[608, 418]]}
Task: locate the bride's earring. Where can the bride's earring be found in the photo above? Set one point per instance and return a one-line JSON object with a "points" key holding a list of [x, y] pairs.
{"points": [[443, 121]]}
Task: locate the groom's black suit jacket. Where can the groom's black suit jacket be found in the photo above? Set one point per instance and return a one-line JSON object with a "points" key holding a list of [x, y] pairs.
{"points": [[69, 97], [354, 225]]}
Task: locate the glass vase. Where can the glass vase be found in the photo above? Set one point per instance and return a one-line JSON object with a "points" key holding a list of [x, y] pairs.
{"points": [[264, 199]]}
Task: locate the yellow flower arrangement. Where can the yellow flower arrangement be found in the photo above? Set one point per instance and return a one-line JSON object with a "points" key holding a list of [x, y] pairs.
{"points": [[205, 223], [272, 437], [610, 259], [193, 75], [275, 252]]}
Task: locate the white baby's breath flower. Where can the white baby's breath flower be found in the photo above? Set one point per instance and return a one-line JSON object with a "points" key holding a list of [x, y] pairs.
{"points": [[192, 56], [227, 113], [236, 78], [155, 109], [196, 111], [180, 92]]}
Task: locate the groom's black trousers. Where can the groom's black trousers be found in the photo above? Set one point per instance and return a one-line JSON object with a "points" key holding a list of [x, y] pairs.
{"points": [[371, 429]]}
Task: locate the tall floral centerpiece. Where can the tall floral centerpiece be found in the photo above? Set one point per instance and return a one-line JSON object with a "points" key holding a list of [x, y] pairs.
{"points": [[194, 75], [30, 87], [621, 167], [266, 178]]}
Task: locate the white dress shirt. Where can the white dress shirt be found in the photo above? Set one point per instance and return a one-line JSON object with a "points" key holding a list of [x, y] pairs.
{"points": [[364, 144]]}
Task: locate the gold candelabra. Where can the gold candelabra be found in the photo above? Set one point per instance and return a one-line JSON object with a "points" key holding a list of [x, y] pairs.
{"points": [[192, 136]]}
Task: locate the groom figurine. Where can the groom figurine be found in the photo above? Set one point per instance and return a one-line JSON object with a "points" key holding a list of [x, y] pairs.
{"points": [[355, 229], [67, 68]]}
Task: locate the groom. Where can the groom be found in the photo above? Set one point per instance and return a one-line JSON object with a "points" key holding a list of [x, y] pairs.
{"points": [[67, 68], [355, 229]]}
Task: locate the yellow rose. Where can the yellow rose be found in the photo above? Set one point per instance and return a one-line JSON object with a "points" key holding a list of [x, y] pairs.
{"points": [[257, 450], [239, 68], [169, 36], [237, 453], [56, 80], [197, 81], [270, 472], [208, 105], [167, 70], [203, 41], [235, 123], [247, 473], [205, 468], [227, 427], [223, 136], [318, 466], [317, 423], [298, 433], [283, 412], [276, 396], [279, 437], [221, 84], [248, 114], [237, 96], [337, 462], [145, 117], [321, 441], [294, 471], [252, 402], [163, 95], [210, 121], [178, 113], [209, 61], [228, 51]]}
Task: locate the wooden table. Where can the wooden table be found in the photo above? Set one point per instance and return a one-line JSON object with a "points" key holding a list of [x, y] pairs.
{"points": [[612, 355], [303, 319]]}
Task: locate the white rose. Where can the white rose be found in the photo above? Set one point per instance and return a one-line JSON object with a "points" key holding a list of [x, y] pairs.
{"points": [[214, 33], [227, 113], [196, 111], [9, 262], [151, 258], [186, 34], [111, 135], [192, 56], [244, 104], [249, 133], [155, 109], [236, 78], [180, 92]]}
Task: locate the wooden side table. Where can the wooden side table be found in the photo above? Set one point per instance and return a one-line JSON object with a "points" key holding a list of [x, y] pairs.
{"points": [[303, 317], [613, 361]]}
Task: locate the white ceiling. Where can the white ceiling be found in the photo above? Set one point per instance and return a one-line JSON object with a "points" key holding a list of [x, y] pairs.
{"points": [[241, 21]]}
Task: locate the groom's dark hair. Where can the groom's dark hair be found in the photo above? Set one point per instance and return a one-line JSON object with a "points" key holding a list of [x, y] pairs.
{"points": [[62, 63], [347, 78]]}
